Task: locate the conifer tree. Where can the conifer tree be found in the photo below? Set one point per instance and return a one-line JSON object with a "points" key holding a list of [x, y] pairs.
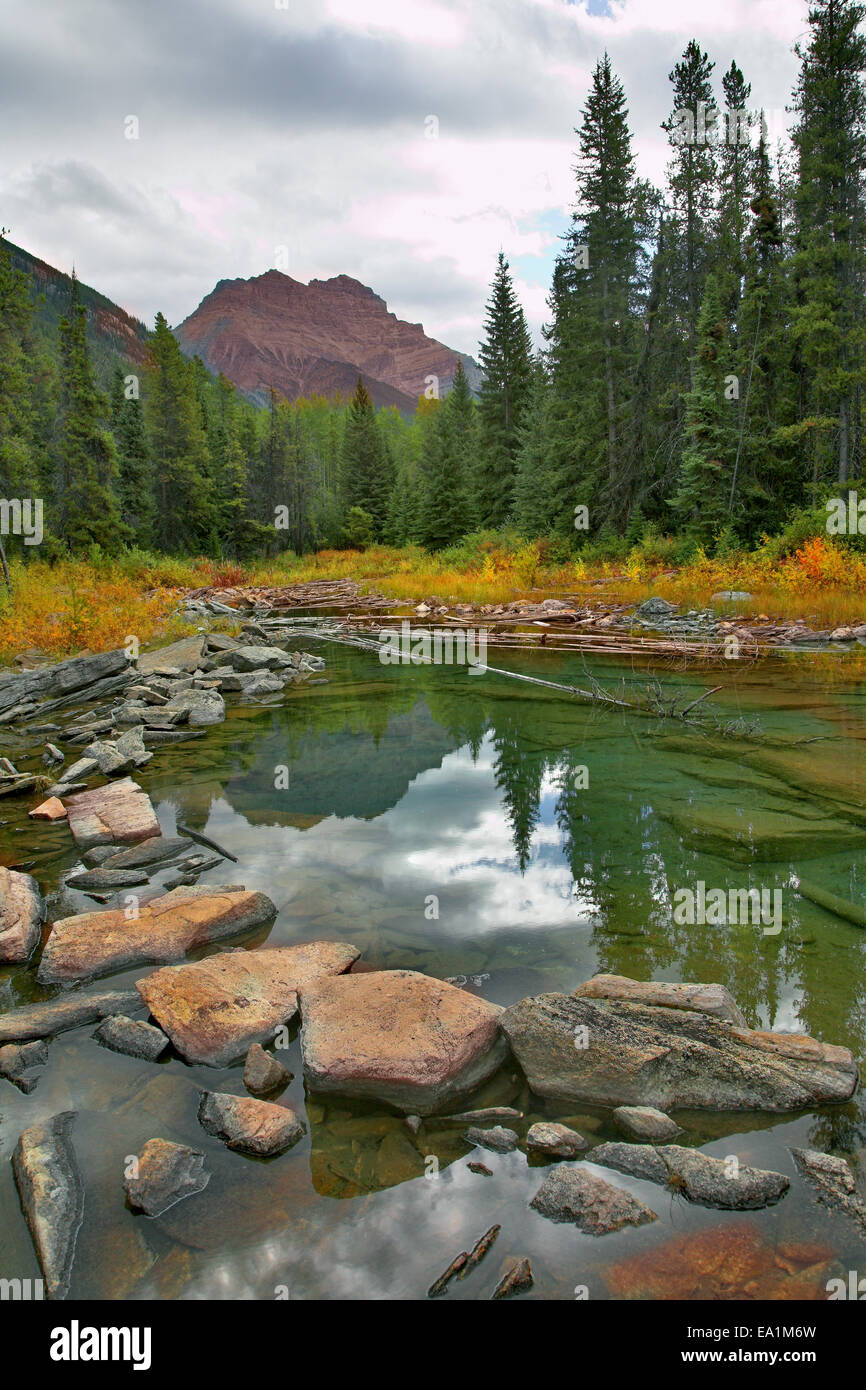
{"points": [[506, 360], [366, 468], [135, 475], [85, 503], [186, 511]]}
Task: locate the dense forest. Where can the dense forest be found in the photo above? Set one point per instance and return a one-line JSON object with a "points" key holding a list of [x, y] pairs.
{"points": [[701, 376]]}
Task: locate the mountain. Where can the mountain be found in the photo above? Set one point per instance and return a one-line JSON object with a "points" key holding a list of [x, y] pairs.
{"points": [[315, 339], [114, 335]]}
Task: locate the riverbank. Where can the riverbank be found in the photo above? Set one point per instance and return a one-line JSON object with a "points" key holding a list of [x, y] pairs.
{"points": [[78, 606]]}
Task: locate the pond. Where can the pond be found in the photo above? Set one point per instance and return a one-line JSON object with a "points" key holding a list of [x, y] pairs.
{"points": [[516, 841]]}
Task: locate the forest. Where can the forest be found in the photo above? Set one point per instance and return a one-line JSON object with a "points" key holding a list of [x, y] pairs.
{"points": [[699, 387]]}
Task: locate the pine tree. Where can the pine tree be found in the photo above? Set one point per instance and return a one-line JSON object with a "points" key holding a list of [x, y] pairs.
{"points": [[444, 514], [533, 491], [366, 472], [692, 130], [506, 360], [85, 503], [135, 474], [830, 260], [702, 499], [186, 511]]}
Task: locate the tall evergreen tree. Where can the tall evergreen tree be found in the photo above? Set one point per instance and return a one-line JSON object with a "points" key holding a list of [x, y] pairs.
{"points": [[186, 509], [506, 360], [830, 260], [445, 507], [135, 474], [85, 503], [366, 473]]}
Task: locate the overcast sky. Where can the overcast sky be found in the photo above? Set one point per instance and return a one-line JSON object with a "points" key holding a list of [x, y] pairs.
{"points": [[297, 133]]}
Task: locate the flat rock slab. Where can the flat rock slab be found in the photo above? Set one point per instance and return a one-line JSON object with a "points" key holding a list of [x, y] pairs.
{"points": [[52, 1195], [17, 1059], [214, 1009], [399, 1037], [591, 1203], [166, 929], [59, 1015], [152, 851], [22, 912], [646, 1123], [713, 1182], [609, 1052], [117, 814], [132, 1036], [249, 1126], [714, 1000], [555, 1141], [182, 655], [103, 879], [166, 1174]]}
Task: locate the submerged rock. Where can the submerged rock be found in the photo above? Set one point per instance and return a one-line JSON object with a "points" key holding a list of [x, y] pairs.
{"points": [[399, 1037], [555, 1141], [499, 1140], [214, 1009], [516, 1279], [615, 1052], [52, 1195], [263, 1073], [17, 1059], [119, 813], [589, 1201], [153, 851], [167, 1173], [833, 1182], [132, 1036], [646, 1123], [700, 1177], [166, 929], [249, 1126], [22, 912], [103, 878], [68, 1011]]}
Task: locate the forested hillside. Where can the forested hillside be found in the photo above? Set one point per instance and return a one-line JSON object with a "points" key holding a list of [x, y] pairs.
{"points": [[701, 377]]}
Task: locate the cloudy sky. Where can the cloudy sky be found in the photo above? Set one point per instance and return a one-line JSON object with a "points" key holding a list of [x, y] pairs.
{"points": [[404, 142]]}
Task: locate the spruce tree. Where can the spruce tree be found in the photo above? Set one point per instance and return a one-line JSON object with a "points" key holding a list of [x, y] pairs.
{"points": [[505, 356], [85, 503], [830, 260], [444, 513], [135, 474], [186, 510], [366, 472]]}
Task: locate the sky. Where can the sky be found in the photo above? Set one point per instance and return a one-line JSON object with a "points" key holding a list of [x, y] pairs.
{"points": [[163, 146]]}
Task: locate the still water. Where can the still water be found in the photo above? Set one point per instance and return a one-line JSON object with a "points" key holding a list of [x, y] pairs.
{"points": [[550, 836]]}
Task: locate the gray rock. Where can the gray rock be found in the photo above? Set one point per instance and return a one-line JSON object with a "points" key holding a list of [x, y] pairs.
{"points": [[594, 1205], [646, 1123], [610, 1052], [833, 1182], [555, 1141], [251, 658], [132, 1036], [655, 608], [498, 1139], [263, 1073], [71, 1010], [102, 879], [81, 770], [249, 1126], [196, 707], [52, 1195], [156, 850], [167, 1173], [700, 1177]]}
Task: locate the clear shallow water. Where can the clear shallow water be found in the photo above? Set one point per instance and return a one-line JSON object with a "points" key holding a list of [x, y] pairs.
{"points": [[406, 783]]}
